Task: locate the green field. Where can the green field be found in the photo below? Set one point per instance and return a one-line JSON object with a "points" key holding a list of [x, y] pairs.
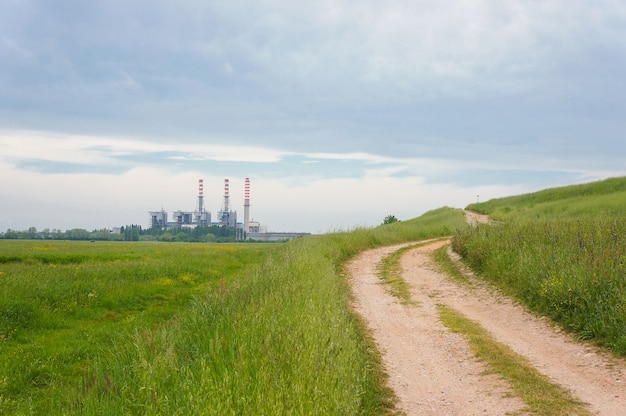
{"points": [[562, 252], [65, 306], [175, 328]]}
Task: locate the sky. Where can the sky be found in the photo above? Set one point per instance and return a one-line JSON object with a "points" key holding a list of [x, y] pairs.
{"points": [[340, 112]]}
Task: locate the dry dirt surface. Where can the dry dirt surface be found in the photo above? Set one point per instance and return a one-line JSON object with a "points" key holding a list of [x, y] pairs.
{"points": [[432, 370]]}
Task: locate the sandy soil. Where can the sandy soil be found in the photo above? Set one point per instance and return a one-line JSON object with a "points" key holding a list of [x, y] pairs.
{"points": [[432, 370]]}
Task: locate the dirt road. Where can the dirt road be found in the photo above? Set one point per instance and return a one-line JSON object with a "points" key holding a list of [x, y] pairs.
{"points": [[432, 370]]}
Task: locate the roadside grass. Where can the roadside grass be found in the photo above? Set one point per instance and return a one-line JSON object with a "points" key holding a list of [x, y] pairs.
{"points": [[571, 270], [193, 329], [562, 252], [540, 395]]}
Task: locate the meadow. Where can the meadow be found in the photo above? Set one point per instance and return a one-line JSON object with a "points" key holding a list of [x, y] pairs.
{"points": [[202, 329], [562, 252]]}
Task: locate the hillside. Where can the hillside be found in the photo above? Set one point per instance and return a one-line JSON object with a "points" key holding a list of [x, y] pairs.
{"points": [[601, 198]]}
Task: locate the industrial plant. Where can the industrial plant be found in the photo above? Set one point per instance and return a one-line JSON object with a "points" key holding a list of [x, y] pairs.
{"points": [[226, 217]]}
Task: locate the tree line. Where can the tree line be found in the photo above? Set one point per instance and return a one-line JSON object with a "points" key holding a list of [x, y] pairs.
{"points": [[131, 232]]}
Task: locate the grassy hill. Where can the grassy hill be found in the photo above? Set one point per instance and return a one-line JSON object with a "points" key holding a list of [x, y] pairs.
{"points": [[602, 198], [562, 252]]}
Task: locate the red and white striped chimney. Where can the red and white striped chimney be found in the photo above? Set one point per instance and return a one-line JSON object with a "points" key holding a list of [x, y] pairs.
{"points": [[246, 207]]}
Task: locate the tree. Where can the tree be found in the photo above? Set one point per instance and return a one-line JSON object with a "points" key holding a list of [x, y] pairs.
{"points": [[166, 236], [390, 219], [77, 234], [10, 234], [131, 232], [181, 236], [31, 233]]}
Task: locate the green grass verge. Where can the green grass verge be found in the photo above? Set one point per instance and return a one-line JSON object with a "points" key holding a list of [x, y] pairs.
{"points": [[540, 395], [573, 271]]}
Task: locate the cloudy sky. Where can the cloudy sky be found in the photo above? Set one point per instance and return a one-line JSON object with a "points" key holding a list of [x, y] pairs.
{"points": [[340, 112]]}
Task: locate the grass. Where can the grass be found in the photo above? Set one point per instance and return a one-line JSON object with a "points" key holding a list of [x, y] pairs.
{"points": [[63, 304], [602, 198], [152, 328], [540, 395], [390, 273], [562, 252], [447, 266], [571, 270]]}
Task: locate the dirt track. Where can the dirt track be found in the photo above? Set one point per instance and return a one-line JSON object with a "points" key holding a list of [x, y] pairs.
{"points": [[432, 370]]}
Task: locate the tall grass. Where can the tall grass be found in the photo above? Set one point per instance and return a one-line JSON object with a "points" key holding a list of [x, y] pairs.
{"points": [[279, 340], [276, 341], [274, 337], [63, 303], [573, 271], [565, 258]]}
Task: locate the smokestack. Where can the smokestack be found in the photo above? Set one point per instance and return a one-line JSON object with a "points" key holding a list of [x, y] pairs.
{"points": [[226, 202], [246, 207], [200, 195]]}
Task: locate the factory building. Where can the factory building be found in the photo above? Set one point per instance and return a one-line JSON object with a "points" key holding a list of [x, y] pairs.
{"points": [[254, 227], [226, 217], [158, 219], [200, 217]]}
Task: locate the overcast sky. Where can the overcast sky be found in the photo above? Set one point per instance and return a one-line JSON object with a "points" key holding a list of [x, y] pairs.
{"points": [[340, 112]]}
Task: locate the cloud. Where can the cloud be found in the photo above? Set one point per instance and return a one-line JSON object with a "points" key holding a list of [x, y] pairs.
{"points": [[329, 76], [66, 153], [33, 146], [399, 47], [408, 47]]}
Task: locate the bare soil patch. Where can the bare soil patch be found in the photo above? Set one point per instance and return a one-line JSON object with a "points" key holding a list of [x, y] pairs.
{"points": [[432, 370], [475, 218]]}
